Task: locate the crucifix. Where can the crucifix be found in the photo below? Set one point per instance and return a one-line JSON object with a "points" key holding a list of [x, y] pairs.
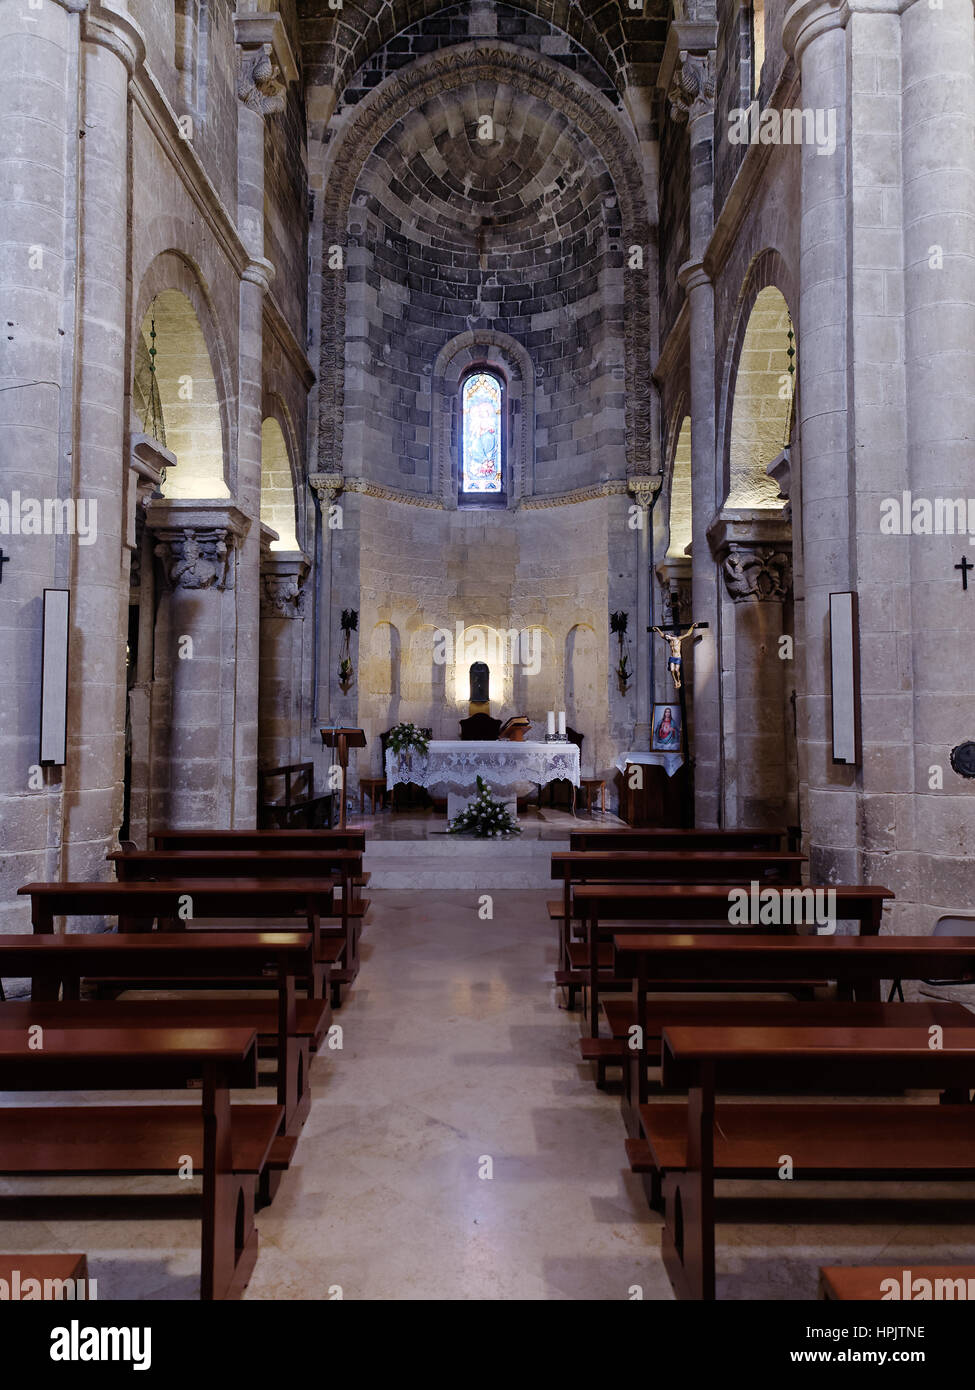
{"points": [[5, 560], [674, 634], [965, 566]]}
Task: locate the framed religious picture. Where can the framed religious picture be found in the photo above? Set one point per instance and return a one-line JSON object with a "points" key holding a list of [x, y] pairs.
{"points": [[667, 734]]}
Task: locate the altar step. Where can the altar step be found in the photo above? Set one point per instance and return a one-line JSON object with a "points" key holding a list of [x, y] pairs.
{"points": [[450, 862]]}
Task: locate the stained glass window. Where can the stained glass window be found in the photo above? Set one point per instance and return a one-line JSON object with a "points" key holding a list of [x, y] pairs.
{"points": [[482, 445]]}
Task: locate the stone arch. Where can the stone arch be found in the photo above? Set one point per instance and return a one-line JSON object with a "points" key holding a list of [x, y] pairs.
{"points": [[680, 510], [755, 424], [582, 678], [535, 691], [500, 353], [279, 506], [589, 112], [174, 284], [381, 666], [369, 31]]}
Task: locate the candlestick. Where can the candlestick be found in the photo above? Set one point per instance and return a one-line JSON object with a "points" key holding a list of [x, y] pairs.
{"points": [[561, 723], [550, 717]]}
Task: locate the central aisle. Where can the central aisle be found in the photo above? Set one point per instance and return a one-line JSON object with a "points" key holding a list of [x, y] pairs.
{"points": [[454, 1052]]}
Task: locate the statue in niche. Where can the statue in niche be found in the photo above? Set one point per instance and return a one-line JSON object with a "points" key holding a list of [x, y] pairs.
{"points": [[480, 684]]}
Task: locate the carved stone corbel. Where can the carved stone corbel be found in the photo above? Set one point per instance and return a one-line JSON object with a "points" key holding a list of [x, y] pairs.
{"points": [[692, 90], [196, 542]]}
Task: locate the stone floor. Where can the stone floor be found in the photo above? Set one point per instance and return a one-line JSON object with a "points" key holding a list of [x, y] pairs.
{"points": [[457, 1058]]}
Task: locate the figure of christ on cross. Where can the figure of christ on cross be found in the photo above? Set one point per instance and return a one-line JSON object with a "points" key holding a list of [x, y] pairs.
{"points": [[674, 638]]}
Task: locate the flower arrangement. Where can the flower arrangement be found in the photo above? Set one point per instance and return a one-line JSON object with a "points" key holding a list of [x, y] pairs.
{"points": [[484, 817], [404, 736]]}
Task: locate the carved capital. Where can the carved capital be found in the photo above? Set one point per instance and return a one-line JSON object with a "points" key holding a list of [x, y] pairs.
{"points": [[754, 548], [644, 487], [757, 572], [692, 90], [73, 6], [282, 596], [258, 85], [326, 487], [196, 542]]}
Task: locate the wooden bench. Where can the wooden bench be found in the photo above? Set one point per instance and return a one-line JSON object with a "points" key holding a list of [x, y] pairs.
{"points": [[846, 1283], [52, 1278], [856, 963], [622, 839], [178, 903], [661, 866], [633, 907], [228, 1144], [341, 865], [258, 839], [696, 1143], [299, 808], [266, 960]]}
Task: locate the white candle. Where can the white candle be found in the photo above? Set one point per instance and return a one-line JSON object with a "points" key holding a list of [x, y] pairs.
{"points": [[551, 723], [561, 723]]}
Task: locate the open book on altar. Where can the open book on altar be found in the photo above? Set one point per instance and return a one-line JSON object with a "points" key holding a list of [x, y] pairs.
{"points": [[515, 728]]}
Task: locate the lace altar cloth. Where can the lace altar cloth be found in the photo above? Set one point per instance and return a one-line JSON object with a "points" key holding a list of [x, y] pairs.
{"points": [[505, 765]]}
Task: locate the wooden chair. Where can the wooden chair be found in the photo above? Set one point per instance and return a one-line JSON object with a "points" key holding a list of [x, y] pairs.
{"points": [[593, 787]]}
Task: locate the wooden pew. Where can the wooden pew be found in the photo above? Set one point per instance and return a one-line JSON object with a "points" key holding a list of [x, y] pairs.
{"points": [[899, 1142], [343, 865], [856, 963], [228, 1144], [268, 960], [873, 1282], [258, 839], [659, 839], [59, 1277], [660, 866], [704, 905], [178, 901]]}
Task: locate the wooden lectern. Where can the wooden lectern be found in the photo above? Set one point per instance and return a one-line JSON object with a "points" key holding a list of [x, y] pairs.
{"points": [[343, 740]]}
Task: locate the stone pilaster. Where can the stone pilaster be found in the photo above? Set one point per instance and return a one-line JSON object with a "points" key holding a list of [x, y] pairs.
{"points": [[753, 549], [264, 67], [283, 609], [326, 487], [643, 488], [198, 547]]}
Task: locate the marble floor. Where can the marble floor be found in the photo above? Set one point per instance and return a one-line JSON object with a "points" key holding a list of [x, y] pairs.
{"points": [[456, 1149]]}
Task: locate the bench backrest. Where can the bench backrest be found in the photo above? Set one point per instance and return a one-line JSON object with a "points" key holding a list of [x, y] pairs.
{"points": [[676, 839]]}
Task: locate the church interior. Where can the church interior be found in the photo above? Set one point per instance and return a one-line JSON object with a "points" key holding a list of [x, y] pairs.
{"points": [[486, 498]]}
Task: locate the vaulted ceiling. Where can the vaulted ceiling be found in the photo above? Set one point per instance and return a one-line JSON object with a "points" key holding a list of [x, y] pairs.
{"points": [[628, 44]]}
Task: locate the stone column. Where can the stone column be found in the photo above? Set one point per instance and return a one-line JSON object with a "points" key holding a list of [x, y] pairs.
{"points": [[198, 544], [148, 462], [283, 576], [644, 490], [112, 51], [754, 551], [689, 72], [261, 41], [813, 34], [38, 176], [326, 487], [938, 126]]}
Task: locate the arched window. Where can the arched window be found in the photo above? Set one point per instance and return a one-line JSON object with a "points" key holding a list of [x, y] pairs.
{"points": [[482, 440]]}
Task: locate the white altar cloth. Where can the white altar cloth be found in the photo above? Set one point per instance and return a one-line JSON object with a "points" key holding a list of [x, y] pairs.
{"points": [[670, 762], [505, 765]]}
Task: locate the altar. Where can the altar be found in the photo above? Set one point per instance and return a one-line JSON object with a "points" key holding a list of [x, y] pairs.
{"points": [[508, 767]]}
